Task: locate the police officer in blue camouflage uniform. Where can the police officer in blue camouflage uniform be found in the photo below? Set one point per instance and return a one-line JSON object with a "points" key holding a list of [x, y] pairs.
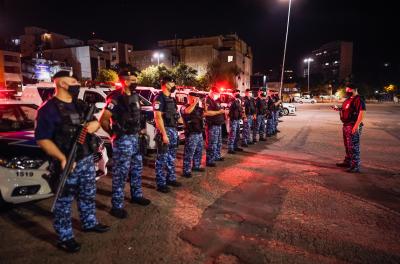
{"points": [[215, 118], [122, 120], [235, 115], [166, 118], [250, 116], [277, 102], [352, 114], [261, 108], [192, 115], [270, 114], [58, 121]]}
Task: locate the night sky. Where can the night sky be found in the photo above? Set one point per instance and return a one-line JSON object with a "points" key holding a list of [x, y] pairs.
{"points": [[371, 25]]}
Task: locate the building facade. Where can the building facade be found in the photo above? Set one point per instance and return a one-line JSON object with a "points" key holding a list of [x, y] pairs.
{"points": [[10, 70], [332, 62], [198, 53], [120, 53], [86, 61]]}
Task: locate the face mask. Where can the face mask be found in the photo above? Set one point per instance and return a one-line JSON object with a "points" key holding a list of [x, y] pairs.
{"points": [[349, 94], [132, 87], [173, 89], [73, 90], [237, 96]]}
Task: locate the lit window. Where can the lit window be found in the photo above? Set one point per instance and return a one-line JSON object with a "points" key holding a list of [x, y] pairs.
{"points": [[325, 52], [335, 62], [327, 64], [230, 58], [129, 50], [101, 48], [114, 48]]}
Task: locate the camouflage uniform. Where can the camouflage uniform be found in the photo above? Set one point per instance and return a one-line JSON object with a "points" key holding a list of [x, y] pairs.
{"points": [[352, 146], [167, 160], [81, 184], [234, 135], [192, 152], [213, 143], [126, 161]]}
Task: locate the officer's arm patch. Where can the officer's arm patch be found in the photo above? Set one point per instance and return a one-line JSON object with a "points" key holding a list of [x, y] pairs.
{"points": [[156, 106], [110, 106]]}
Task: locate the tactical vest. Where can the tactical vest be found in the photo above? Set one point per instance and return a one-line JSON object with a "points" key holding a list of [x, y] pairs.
{"points": [[66, 133], [215, 120], [249, 106], [261, 106], [193, 121], [126, 120], [170, 116], [235, 110]]}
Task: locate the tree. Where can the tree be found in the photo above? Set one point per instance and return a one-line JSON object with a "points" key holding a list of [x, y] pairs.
{"points": [[184, 75], [107, 75], [218, 73], [152, 75]]}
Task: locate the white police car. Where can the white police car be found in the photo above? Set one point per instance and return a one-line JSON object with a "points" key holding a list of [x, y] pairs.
{"points": [[23, 165], [288, 109]]}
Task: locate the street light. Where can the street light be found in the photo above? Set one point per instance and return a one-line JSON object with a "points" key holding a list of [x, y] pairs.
{"points": [[284, 50], [158, 56], [308, 61]]}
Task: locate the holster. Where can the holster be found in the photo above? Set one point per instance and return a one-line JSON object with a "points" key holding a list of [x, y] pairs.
{"points": [[162, 148], [143, 144]]}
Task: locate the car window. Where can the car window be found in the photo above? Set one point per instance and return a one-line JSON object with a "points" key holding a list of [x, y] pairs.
{"points": [[145, 93], [45, 93], [17, 118], [92, 97]]}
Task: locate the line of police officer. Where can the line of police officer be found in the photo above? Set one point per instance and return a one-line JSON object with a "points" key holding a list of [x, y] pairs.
{"points": [[61, 116]]}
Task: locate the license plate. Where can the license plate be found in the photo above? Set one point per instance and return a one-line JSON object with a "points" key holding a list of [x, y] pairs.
{"points": [[24, 173]]}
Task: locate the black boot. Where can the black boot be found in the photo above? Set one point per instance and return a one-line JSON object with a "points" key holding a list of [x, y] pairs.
{"points": [[70, 246], [140, 201], [119, 213], [98, 228]]}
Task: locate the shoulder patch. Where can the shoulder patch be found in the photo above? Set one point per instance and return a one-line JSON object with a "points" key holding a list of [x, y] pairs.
{"points": [[156, 106]]}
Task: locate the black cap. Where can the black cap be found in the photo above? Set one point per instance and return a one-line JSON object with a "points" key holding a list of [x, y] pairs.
{"points": [[166, 79], [125, 73], [351, 86], [62, 73], [237, 91], [248, 90]]}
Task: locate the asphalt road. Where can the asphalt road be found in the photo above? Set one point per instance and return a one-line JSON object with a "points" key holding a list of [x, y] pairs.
{"points": [[283, 201]]}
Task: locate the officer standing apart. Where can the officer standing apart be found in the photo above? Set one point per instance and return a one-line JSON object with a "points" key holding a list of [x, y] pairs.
{"points": [[261, 107], [352, 114], [215, 118], [58, 121], [235, 114], [192, 116], [121, 119], [166, 118], [250, 115]]}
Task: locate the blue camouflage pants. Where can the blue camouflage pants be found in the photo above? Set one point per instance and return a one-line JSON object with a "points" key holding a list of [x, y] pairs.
{"points": [[234, 135], [81, 183], [192, 152], [352, 145], [246, 132], [213, 143], [126, 161], [270, 126], [166, 161], [260, 127], [276, 120]]}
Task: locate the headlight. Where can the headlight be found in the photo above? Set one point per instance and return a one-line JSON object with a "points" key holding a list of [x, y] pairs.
{"points": [[21, 163]]}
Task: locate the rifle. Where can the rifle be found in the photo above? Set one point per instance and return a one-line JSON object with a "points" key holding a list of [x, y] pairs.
{"points": [[80, 139]]}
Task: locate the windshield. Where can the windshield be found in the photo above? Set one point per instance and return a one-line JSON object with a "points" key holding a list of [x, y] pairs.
{"points": [[17, 117]]}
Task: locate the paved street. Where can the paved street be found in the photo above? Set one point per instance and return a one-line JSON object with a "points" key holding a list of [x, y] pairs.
{"points": [[284, 201]]}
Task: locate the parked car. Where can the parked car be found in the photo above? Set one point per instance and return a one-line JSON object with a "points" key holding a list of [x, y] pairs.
{"points": [[302, 100], [288, 109], [24, 174]]}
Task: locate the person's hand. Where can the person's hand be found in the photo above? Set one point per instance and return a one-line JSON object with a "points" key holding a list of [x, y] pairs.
{"points": [[63, 162], [354, 130], [165, 139], [92, 126]]}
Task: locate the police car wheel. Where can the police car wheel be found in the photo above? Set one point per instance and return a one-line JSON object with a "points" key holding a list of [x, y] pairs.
{"points": [[285, 112], [312, 102], [300, 102]]}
